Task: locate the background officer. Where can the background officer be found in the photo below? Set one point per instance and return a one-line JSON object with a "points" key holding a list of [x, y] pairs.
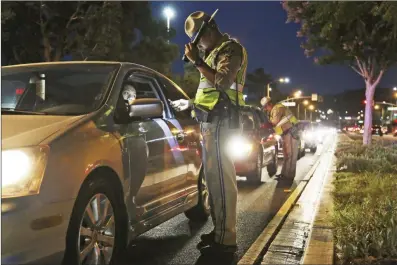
{"points": [[223, 73], [284, 123]]}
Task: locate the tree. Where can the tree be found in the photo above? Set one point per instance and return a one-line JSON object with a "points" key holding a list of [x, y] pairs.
{"points": [[260, 80], [362, 35], [189, 80], [85, 30]]}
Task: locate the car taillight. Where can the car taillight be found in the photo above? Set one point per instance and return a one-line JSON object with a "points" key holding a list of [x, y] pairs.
{"points": [[265, 126], [269, 138], [19, 91]]}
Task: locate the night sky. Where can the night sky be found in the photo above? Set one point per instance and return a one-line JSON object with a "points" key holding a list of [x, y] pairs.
{"points": [[270, 42]]}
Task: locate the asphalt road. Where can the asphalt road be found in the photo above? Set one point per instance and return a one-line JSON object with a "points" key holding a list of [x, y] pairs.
{"points": [[174, 242]]}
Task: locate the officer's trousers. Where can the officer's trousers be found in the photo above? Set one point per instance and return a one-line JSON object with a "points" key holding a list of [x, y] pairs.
{"points": [[221, 179], [290, 152]]}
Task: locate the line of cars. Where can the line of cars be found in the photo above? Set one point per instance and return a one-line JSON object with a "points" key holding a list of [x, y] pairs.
{"points": [[375, 130], [83, 174]]}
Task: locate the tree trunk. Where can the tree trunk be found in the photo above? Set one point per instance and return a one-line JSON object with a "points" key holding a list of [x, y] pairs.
{"points": [[369, 95], [58, 54], [47, 49]]}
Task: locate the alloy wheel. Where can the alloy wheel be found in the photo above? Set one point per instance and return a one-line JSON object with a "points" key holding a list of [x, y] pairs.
{"points": [[97, 231]]}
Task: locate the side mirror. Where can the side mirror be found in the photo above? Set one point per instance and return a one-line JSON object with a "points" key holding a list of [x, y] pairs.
{"points": [[146, 108]]}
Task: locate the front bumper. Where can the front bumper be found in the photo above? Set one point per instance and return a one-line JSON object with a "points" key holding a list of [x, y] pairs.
{"points": [[33, 231], [244, 167]]}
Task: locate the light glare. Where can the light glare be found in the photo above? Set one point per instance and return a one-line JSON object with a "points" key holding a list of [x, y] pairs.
{"points": [[169, 12], [16, 165]]}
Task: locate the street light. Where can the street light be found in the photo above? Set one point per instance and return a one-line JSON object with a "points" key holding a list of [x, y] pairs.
{"points": [[395, 88], [297, 94], [169, 14], [281, 80], [284, 80], [377, 107]]}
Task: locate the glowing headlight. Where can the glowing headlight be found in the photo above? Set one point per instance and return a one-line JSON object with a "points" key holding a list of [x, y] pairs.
{"points": [[239, 147], [308, 135], [22, 171]]}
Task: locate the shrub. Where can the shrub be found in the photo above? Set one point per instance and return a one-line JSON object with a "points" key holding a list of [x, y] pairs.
{"points": [[365, 216], [354, 157]]}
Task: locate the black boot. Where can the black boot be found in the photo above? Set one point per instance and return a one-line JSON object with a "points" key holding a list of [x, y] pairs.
{"points": [[216, 248], [206, 239]]}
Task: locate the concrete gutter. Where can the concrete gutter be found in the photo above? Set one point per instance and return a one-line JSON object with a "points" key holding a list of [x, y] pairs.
{"points": [[320, 248], [284, 239]]}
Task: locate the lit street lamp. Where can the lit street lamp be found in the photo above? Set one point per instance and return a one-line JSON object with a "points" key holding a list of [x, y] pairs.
{"points": [[281, 80], [169, 14], [297, 94]]}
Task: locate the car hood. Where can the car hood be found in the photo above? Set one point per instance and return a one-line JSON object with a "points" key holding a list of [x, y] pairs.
{"points": [[28, 130]]}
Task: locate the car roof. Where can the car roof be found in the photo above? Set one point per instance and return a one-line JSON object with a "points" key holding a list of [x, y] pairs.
{"points": [[77, 63], [121, 64]]}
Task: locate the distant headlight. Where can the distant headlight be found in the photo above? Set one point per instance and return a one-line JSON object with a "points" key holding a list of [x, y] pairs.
{"points": [[22, 171], [239, 147]]}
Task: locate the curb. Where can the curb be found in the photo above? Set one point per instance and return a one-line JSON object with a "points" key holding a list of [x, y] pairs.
{"points": [[290, 243], [262, 243], [320, 249]]}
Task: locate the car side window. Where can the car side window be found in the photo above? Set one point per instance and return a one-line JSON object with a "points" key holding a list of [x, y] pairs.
{"points": [[143, 86], [248, 121], [173, 92]]}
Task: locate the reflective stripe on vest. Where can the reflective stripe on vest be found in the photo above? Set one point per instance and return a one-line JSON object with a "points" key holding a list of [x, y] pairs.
{"points": [[207, 96], [289, 118]]}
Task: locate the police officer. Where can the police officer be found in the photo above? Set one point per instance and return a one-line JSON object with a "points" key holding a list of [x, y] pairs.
{"points": [[223, 71], [285, 125]]}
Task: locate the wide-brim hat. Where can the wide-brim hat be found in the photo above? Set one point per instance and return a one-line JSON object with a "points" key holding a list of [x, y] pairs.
{"points": [[265, 101], [193, 23]]}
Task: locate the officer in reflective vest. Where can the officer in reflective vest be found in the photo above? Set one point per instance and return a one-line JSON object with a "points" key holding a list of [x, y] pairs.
{"points": [[285, 125], [223, 69]]}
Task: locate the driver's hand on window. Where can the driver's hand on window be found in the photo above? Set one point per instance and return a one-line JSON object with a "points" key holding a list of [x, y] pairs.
{"points": [[180, 104]]}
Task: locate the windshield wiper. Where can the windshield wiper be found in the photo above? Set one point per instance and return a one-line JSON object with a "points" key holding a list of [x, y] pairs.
{"points": [[14, 111]]}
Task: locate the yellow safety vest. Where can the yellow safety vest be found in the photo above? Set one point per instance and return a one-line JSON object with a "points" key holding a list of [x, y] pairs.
{"points": [[288, 118], [207, 96]]}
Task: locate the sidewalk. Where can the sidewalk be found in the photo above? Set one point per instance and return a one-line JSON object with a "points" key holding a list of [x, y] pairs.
{"points": [[306, 236]]}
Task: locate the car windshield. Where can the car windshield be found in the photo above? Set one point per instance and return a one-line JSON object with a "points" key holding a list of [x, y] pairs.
{"points": [[63, 89]]}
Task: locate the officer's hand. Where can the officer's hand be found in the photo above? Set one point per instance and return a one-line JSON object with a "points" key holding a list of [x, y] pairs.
{"points": [[180, 104], [192, 52]]}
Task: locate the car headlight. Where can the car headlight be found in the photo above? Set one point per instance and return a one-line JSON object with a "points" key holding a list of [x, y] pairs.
{"points": [[308, 135], [22, 171], [239, 147]]}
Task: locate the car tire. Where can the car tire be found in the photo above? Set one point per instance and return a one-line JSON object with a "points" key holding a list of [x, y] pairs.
{"points": [[313, 149], [256, 175], [202, 210], [272, 167], [94, 190]]}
